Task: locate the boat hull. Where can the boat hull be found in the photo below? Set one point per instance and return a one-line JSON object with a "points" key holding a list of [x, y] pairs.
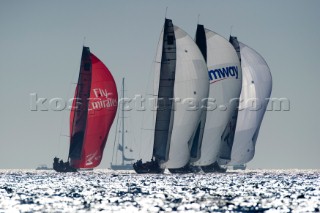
{"points": [[148, 167], [214, 167], [64, 169], [186, 169]]}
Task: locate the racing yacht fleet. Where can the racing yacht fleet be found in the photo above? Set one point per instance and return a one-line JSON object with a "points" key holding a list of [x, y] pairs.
{"points": [[210, 97], [233, 99]]}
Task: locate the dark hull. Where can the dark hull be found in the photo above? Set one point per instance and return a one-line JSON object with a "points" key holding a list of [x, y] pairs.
{"points": [[147, 168], [62, 167], [186, 169], [65, 169], [214, 167]]}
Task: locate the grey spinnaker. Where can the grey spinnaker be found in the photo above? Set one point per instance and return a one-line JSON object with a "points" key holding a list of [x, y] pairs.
{"points": [[256, 90]]}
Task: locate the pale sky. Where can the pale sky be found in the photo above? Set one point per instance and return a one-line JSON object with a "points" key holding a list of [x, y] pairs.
{"points": [[41, 43]]}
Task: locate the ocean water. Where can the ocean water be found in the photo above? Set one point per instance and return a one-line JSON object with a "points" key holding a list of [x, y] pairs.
{"points": [[120, 191]]}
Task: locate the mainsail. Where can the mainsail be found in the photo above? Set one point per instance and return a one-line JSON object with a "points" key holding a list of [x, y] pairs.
{"points": [[93, 111], [256, 89], [225, 76], [167, 73]]}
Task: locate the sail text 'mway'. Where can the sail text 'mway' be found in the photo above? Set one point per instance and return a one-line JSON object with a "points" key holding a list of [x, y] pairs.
{"points": [[221, 73]]}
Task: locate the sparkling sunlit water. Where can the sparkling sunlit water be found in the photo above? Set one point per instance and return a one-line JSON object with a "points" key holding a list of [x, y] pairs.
{"points": [[105, 190]]}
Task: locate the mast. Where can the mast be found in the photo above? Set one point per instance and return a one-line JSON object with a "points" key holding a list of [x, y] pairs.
{"points": [[122, 121], [235, 43], [201, 40]]}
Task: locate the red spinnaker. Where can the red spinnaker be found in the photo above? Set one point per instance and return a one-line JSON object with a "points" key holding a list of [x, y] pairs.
{"points": [[96, 98]]}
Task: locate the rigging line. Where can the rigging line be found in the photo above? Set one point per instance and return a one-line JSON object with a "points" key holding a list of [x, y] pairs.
{"points": [[122, 122], [115, 137], [151, 74], [64, 115], [134, 136], [231, 30], [69, 108], [84, 41], [118, 144], [121, 125], [198, 18], [76, 95], [59, 140], [166, 12], [130, 128]]}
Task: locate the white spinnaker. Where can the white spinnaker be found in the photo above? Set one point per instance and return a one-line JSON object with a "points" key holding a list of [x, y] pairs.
{"points": [[191, 83], [256, 85], [220, 54]]}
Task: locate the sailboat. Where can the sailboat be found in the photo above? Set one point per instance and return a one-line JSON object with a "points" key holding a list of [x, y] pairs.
{"points": [[121, 147], [180, 76], [225, 77], [93, 110], [256, 90]]}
